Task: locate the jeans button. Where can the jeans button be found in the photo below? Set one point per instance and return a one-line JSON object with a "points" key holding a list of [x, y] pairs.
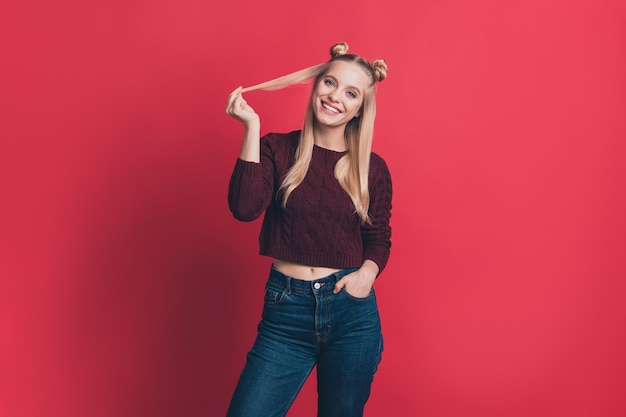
{"points": [[317, 285]]}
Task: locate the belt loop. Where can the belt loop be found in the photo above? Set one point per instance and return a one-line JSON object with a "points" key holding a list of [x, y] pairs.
{"points": [[288, 285], [339, 274]]}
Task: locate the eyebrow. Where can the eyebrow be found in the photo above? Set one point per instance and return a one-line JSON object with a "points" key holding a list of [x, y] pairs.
{"points": [[349, 86]]}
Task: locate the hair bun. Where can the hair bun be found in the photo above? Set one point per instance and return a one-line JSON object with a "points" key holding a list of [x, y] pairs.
{"points": [[339, 49], [380, 69]]}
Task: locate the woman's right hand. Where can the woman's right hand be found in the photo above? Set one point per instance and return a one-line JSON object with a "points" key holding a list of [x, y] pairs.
{"points": [[239, 109]]}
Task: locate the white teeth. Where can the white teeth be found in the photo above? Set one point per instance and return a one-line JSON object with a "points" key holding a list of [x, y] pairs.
{"points": [[327, 107]]}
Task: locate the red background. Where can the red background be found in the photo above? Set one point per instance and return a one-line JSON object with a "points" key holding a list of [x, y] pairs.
{"points": [[127, 288]]}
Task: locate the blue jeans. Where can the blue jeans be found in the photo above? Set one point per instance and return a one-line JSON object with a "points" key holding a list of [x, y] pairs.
{"points": [[303, 325]]}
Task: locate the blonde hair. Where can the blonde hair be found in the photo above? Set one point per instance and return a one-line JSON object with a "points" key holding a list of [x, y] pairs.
{"points": [[352, 169]]}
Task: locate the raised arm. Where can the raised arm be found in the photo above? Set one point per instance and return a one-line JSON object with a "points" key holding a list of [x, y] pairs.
{"points": [[240, 110], [251, 184]]}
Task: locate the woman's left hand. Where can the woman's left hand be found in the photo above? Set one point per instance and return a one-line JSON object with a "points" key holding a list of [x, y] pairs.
{"points": [[360, 282]]}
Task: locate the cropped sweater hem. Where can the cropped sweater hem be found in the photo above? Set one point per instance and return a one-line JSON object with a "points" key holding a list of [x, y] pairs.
{"points": [[318, 226]]}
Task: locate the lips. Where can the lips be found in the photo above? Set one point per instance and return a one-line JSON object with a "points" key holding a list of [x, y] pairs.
{"points": [[329, 108]]}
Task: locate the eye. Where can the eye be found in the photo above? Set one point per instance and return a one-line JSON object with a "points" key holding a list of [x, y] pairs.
{"points": [[351, 94], [329, 82]]}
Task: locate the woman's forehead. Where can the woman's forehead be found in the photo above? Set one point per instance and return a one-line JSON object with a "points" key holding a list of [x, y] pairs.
{"points": [[350, 73]]}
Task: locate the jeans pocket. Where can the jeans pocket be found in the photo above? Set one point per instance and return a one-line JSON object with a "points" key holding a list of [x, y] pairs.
{"points": [[354, 297], [273, 296]]}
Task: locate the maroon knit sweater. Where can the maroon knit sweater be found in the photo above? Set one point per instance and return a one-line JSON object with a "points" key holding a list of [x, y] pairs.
{"points": [[319, 226]]}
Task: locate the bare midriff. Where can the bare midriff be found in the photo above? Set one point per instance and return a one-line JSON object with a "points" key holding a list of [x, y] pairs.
{"points": [[304, 272]]}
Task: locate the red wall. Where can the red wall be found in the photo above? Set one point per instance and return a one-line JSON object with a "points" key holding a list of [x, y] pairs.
{"points": [[127, 289]]}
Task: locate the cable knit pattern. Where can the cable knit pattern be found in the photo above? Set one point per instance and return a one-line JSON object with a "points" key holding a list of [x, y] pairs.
{"points": [[319, 226]]}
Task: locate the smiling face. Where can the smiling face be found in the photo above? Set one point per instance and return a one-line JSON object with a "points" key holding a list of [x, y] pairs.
{"points": [[338, 95]]}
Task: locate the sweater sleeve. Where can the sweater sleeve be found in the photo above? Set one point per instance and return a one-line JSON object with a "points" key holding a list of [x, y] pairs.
{"points": [[377, 236], [251, 186]]}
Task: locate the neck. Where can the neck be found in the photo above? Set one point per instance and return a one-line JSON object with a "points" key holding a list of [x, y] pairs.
{"points": [[330, 138]]}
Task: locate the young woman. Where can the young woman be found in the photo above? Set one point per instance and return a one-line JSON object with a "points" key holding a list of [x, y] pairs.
{"points": [[327, 201]]}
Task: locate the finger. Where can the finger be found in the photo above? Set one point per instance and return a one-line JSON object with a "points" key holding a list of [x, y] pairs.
{"points": [[230, 105], [233, 96], [236, 91], [237, 105], [339, 286]]}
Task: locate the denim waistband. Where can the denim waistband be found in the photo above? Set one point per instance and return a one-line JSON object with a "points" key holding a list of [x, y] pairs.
{"points": [[305, 286]]}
